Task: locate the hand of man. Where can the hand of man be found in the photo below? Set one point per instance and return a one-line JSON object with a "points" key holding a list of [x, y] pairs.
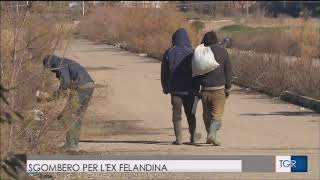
{"points": [[55, 95], [41, 96], [60, 115], [227, 92], [165, 91], [197, 93], [39, 99]]}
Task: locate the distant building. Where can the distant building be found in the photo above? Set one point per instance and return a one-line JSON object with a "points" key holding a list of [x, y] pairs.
{"points": [[155, 4], [241, 4], [73, 4], [97, 2]]}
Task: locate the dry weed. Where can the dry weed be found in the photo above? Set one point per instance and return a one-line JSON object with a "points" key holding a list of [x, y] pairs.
{"points": [[140, 29]]}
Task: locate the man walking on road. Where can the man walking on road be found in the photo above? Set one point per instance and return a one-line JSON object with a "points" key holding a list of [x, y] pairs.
{"points": [[176, 79], [74, 77], [215, 87]]}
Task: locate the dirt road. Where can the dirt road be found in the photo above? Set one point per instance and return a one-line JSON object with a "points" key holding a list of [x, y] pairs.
{"points": [[129, 115], [216, 25]]}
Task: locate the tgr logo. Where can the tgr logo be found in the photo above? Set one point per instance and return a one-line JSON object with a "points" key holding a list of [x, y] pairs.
{"points": [[291, 164], [287, 163]]}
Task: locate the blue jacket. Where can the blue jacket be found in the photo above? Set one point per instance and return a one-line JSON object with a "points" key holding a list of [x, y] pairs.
{"points": [[176, 68], [69, 72]]}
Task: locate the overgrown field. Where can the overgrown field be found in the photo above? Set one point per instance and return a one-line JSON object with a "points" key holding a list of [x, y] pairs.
{"points": [[300, 39]]}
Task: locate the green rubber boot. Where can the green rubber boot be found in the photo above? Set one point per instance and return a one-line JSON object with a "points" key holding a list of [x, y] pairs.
{"points": [[214, 127], [178, 133], [72, 138]]}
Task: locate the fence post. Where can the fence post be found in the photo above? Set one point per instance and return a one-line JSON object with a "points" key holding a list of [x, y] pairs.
{"points": [[82, 8], [247, 4]]}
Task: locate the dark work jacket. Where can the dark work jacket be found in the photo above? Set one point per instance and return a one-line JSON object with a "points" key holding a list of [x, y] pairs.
{"points": [[221, 76], [69, 72], [176, 69]]}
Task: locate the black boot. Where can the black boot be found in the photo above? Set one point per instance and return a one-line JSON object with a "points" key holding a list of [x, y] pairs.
{"points": [[194, 136], [178, 133]]}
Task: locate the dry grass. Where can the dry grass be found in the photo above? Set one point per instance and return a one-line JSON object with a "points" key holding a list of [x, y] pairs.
{"points": [[140, 29], [268, 42], [308, 37], [281, 21], [306, 32]]}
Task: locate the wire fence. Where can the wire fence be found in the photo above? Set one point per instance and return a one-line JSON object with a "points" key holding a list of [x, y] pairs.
{"points": [[76, 9], [210, 8]]}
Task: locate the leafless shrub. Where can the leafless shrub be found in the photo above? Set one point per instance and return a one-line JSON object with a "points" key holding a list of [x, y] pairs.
{"points": [[141, 29]]}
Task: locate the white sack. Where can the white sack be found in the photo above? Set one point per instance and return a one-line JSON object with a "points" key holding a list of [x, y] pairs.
{"points": [[203, 61]]}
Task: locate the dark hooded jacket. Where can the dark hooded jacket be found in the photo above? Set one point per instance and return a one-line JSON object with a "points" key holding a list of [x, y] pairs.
{"points": [[176, 69], [69, 72], [222, 75]]}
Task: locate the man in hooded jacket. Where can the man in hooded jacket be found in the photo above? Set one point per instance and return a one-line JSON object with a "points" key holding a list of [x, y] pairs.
{"points": [[74, 77], [215, 87], [176, 79]]}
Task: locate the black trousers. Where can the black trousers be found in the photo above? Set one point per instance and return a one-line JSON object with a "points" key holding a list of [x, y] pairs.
{"points": [[177, 102]]}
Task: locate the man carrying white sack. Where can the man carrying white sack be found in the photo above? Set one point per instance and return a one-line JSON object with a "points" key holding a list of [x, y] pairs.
{"points": [[215, 86], [176, 79]]}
